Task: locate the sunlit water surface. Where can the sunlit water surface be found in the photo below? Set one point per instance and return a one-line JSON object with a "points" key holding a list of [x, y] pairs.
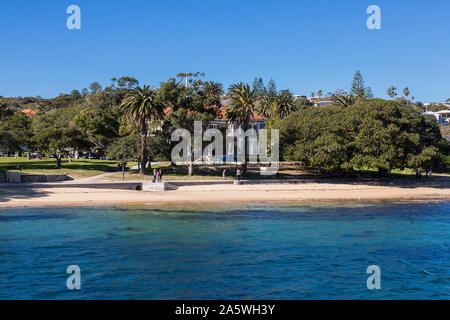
{"points": [[227, 251]]}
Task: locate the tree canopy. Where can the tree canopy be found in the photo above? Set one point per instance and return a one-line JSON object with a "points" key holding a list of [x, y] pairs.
{"points": [[369, 134]]}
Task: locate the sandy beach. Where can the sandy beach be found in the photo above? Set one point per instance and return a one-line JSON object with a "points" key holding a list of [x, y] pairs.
{"points": [[221, 193]]}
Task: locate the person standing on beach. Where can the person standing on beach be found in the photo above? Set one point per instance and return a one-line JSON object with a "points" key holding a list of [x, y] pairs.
{"points": [[238, 174], [154, 175]]}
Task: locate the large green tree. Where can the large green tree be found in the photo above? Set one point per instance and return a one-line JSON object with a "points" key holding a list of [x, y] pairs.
{"points": [[100, 126], [243, 104], [376, 134], [141, 106], [8, 142], [200, 101]]}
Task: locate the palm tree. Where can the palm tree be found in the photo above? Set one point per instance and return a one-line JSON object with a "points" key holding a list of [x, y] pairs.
{"points": [[140, 107], [319, 94], [243, 101], [345, 101], [391, 91], [266, 105], [406, 92], [285, 103], [212, 91]]}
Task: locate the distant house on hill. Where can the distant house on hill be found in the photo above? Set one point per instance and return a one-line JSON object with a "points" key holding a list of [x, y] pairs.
{"points": [[445, 114], [320, 102], [441, 117], [29, 112], [221, 121]]}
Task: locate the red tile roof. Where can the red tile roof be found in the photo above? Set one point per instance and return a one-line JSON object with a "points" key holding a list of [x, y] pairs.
{"points": [[29, 112]]}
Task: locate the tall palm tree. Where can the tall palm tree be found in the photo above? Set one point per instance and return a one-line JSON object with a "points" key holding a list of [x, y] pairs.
{"points": [[285, 103], [266, 105], [213, 89], [140, 107], [243, 101], [406, 92]]}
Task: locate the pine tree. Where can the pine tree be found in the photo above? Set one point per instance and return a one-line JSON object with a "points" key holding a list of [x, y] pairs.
{"points": [[272, 88], [358, 89], [258, 85], [369, 93]]}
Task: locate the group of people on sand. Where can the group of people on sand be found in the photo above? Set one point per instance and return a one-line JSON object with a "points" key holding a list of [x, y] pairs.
{"points": [[157, 175]]}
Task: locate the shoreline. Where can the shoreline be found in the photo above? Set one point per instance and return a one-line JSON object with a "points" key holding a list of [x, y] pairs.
{"points": [[208, 194]]}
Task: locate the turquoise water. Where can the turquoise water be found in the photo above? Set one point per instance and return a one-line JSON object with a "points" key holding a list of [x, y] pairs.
{"points": [[252, 251]]}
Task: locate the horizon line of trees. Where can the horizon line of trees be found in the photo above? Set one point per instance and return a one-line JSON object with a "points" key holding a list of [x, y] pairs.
{"points": [[125, 121]]}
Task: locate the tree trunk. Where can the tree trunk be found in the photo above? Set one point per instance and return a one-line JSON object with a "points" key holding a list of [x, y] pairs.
{"points": [[143, 132], [191, 164], [244, 165], [58, 162]]}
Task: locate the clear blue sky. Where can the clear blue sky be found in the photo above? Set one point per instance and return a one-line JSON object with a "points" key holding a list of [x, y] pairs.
{"points": [[303, 45]]}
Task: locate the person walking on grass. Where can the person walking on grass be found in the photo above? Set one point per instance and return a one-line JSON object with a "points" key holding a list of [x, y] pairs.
{"points": [[238, 174], [154, 175], [158, 178], [160, 174]]}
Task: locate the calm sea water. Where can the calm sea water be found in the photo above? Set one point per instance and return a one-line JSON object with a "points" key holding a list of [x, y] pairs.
{"points": [[252, 251]]}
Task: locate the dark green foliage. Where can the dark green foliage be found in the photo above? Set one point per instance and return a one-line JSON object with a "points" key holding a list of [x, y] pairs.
{"points": [[372, 134], [99, 126], [8, 142], [125, 148]]}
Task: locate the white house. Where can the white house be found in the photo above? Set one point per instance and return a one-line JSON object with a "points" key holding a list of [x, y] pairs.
{"points": [[222, 122], [445, 114], [441, 117], [320, 102]]}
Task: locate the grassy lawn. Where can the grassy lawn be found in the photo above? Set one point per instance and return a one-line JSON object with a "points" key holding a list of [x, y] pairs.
{"points": [[85, 168], [202, 173], [400, 173], [169, 174], [77, 169]]}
